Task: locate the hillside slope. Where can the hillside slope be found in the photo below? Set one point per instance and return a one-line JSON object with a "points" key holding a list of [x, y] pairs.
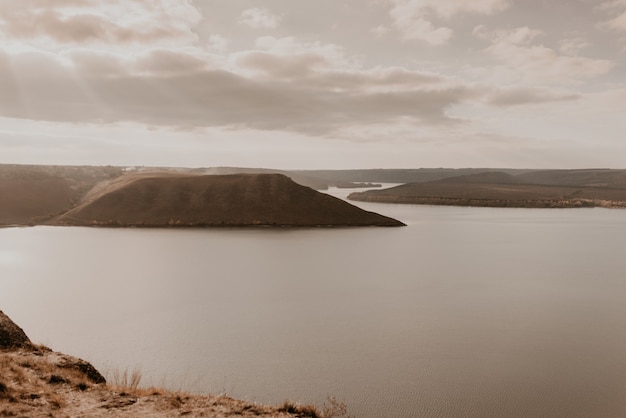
{"points": [[407, 175], [158, 200], [568, 189], [30, 194]]}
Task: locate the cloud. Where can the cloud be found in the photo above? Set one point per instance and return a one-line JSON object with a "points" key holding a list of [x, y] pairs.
{"points": [[318, 71], [417, 28], [450, 8], [524, 96], [257, 18], [282, 84], [218, 43], [522, 60], [164, 88], [85, 21], [332, 55], [170, 79], [573, 46], [618, 8], [327, 67], [414, 19], [380, 31]]}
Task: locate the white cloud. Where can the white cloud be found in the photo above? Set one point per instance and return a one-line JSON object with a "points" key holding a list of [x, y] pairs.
{"points": [[519, 36], [420, 29], [218, 43], [617, 9], [380, 31], [415, 18], [257, 18], [449, 8], [81, 22], [521, 60], [573, 46], [332, 54]]}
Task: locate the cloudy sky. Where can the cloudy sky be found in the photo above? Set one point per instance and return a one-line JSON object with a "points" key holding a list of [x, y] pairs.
{"points": [[314, 83]]}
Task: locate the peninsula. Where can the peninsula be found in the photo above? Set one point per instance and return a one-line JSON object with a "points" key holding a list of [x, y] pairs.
{"points": [[116, 197]]}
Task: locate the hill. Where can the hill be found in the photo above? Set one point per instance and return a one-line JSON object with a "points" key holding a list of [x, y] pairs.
{"points": [[549, 189], [31, 194], [408, 175], [578, 178], [312, 182], [181, 200]]}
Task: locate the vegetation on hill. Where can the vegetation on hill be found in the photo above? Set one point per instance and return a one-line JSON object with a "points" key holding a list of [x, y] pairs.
{"points": [[111, 196], [545, 189], [31, 194], [231, 200], [397, 175]]}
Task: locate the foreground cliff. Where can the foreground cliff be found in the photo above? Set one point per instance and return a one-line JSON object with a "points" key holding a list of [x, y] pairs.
{"points": [[38, 382], [158, 200]]}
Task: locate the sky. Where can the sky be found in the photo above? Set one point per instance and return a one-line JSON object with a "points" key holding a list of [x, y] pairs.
{"points": [[314, 84]]}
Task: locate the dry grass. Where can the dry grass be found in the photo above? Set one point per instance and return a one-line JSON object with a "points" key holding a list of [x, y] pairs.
{"points": [[39, 382], [26, 382], [332, 409], [127, 380]]}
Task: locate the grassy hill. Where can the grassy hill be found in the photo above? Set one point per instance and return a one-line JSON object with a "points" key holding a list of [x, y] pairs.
{"points": [[541, 189], [31, 194], [159, 200], [407, 175]]}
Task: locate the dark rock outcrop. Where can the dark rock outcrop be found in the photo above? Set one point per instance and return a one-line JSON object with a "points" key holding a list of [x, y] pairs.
{"points": [[84, 367], [11, 335]]}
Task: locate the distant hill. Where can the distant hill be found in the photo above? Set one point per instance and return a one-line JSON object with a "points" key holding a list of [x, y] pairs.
{"points": [[490, 177], [161, 200], [32, 194], [303, 178], [579, 178], [410, 175], [309, 181], [545, 189]]}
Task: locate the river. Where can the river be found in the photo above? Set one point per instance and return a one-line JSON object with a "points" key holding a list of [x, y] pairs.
{"points": [[466, 312]]}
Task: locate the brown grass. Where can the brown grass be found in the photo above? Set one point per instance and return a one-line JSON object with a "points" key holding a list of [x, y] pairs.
{"points": [[127, 380], [332, 409], [39, 383]]}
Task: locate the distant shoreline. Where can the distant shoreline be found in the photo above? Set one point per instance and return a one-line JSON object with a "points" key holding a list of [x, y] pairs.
{"points": [[484, 203]]}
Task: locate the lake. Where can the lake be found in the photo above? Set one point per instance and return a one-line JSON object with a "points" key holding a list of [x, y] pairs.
{"points": [[466, 312]]}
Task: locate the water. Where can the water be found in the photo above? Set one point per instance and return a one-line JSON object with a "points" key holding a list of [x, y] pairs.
{"points": [[467, 312]]}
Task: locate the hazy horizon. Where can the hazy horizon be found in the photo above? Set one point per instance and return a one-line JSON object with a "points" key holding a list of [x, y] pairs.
{"points": [[313, 85]]}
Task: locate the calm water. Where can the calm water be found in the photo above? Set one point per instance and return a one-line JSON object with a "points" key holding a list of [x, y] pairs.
{"points": [[467, 312]]}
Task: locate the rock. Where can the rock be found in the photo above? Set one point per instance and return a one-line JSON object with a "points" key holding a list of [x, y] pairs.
{"points": [[11, 336], [84, 367]]}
